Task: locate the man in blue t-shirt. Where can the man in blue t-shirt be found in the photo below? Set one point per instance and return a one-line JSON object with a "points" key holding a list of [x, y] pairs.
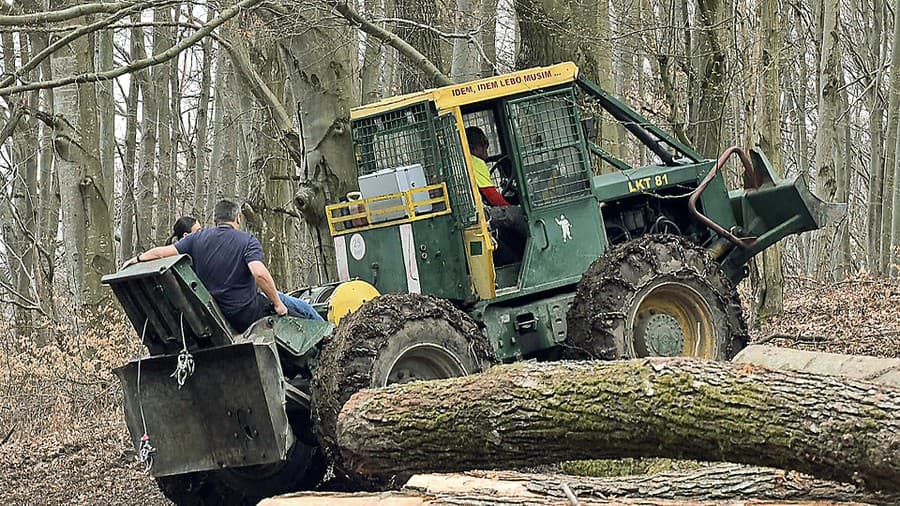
{"points": [[229, 262]]}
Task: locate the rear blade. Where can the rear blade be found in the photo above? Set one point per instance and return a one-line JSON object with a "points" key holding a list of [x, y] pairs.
{"points": [[229, 413]]}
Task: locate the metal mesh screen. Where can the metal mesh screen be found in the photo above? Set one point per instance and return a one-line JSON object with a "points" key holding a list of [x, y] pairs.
{"points": [[454, 172], [395, 139], [404, 137], [549, 138]]}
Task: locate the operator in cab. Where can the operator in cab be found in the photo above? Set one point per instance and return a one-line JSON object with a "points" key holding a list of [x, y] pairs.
{"points": [[478, 147]]}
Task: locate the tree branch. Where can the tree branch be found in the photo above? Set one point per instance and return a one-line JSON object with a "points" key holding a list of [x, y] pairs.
{"points": [[136, 65], [389, 38], [61, 42], [42, 18]]}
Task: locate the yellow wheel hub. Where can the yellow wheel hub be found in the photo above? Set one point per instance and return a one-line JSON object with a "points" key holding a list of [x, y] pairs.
{"points": [[347, 298], [672, 319]]}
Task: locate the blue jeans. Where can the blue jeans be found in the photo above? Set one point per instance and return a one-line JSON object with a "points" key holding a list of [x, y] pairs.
{"points": [[299, 307]]}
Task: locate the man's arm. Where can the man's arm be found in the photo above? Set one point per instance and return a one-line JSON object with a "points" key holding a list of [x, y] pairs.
{"points": [[267, 285], [152, 254]]}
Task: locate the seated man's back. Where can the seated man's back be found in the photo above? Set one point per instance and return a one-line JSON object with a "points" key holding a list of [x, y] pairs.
{"points": [[220, 255]]}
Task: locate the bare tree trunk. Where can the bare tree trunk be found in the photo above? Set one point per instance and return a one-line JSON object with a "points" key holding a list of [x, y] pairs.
{"points": [[891, 159], [489, 37], [768, 300], [424, 40], [529, 414], [877, 41], [107, 111], [465, 61], [223, 164], [370, 72], [826, 133], [146, 169], [48, 217], [712, 91], [201, 179], [19, 229], [269, 203], [127, 211], [162, 40], [706, 485], [329, 168], [87, 230]]}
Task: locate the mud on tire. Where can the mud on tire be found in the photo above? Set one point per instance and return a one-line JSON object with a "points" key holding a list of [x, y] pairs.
{"points": [[609, 316], [392, 339]]}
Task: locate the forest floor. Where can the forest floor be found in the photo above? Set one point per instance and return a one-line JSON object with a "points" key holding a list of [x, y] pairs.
{"points": [[63, 439]]}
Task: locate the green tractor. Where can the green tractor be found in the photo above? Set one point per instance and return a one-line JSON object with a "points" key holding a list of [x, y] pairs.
{"points": [[640, 261]]}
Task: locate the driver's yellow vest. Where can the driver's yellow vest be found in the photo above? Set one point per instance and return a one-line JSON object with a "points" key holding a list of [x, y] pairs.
{"points": [[482, 174]]}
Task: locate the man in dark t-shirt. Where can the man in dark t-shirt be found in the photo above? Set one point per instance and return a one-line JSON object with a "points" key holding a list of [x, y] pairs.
{"points": [[229, 262]]}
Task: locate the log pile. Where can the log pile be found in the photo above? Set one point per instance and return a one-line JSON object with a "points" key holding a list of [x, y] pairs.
{"points": [[715, 484], [528, 414]]}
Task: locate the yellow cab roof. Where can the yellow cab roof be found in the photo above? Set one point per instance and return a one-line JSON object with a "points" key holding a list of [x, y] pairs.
{"points": [[477, 91]]}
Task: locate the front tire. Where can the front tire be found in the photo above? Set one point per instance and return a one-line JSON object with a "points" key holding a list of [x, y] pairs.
{"points": [[394, 338], [658, 295]]}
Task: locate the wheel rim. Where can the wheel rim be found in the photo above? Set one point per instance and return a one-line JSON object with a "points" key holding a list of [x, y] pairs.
{"points": [[672, 319], [423, 362]]}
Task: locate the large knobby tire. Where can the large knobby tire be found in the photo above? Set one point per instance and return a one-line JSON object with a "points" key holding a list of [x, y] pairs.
{"points": [[394, 338], [658, 295], [303, 469]]}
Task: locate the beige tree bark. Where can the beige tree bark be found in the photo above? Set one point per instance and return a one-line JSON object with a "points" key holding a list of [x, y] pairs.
{"points": [[268, 206], [892, 142], [201, 167], [127, 207], [146, 177], [106, 112], [20, 239], [426, 41], [85, 200], [768, 300], [876, 40], [710, 87], [373, 62], [159, 79], [826, 132], [465, 59], [48, 214]]}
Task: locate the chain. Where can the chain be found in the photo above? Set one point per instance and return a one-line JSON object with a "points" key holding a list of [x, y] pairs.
{"points": [[145, 449], [185, 367]]}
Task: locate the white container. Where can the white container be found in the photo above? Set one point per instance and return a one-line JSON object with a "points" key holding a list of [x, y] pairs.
{"points": [[388, 181]]}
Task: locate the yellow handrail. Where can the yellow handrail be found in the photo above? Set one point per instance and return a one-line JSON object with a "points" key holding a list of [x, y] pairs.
{"points": [[357, 215]]}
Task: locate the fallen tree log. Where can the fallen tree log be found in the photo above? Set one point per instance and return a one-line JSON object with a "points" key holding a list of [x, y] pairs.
{"points": [[708, 485], [527, 414], [873, 369]]}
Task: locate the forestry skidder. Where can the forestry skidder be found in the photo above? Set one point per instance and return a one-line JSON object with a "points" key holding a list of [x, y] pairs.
{"points": [[639, 261]]}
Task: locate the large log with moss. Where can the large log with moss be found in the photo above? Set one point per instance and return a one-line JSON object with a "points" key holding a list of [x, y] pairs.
{"points": [[528, 414]]}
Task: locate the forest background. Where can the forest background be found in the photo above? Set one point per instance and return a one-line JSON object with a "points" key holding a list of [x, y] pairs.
{"points": [[118, 117]]}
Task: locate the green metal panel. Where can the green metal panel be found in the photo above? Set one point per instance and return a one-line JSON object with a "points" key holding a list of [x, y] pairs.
{"points": [[773, 212], [441, 259], [564, 241], [518, 331], [434, 262], [678, 179], [381, 263]]}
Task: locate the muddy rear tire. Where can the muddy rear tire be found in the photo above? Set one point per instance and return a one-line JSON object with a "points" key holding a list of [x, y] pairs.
{"points": [[658, 295], [303, 469], [394, 338]]}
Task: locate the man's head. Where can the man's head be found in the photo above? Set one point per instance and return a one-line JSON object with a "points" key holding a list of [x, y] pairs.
{"points": [[227, 211], [478, 142]]}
